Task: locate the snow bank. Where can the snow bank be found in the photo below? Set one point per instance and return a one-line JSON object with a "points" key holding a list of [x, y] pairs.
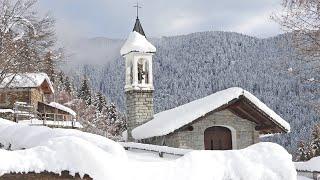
{"points": [[64, 153], [63, 108], [6, 122], [55, 150], [261, 161], [311, 165], [26, 80], [21, 136], [168, 121], [137, 43]]}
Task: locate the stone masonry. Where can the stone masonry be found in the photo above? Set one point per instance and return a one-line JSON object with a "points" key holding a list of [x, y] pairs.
{"points": [[29, 95], [243, 132], [139, 107]]}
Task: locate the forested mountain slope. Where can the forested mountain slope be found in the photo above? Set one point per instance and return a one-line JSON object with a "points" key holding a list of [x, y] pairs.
{"points": [[192, 66]]}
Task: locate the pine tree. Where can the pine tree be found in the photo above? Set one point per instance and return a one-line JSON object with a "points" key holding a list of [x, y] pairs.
{"points": [[116, 121], [304, 153], [112, 113], [67, 85], [100, 101], [49, 66], [84, 92], [316, 140]]}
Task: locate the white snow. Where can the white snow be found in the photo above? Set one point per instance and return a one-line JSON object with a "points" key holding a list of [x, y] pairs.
{"points": [[260, 161], [124, 135], [6, 111], [70, 124], [5, 121], [311, 165], [55, 150], [63, 108], [137, 43], [168, 121], [25, 80], [155, 148], [303, 178]]}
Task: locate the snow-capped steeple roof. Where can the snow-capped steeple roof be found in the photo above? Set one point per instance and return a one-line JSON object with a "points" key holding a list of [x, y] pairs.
{"points": [[137, 41], [138, 28], [168, 121]]}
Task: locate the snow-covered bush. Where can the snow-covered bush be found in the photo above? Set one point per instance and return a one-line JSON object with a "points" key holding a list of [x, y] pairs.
{"points": [[310, 149], [93, 112]]}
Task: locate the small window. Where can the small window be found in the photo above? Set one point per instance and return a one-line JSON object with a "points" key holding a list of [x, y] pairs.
{"points": [[190, 128]]}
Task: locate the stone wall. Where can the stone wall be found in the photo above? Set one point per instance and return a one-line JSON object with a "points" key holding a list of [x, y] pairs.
{"points": [[139, 108], [10, 96], [243, 132], [29, 95], [43, 176], [36, 96]]}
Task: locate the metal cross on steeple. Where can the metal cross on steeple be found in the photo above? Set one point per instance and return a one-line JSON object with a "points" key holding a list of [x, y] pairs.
{"points": [[138, 7]]}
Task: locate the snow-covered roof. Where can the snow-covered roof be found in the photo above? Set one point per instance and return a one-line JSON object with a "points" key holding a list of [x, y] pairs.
{"points": [[26, 80], [168, 121], [63, 108], [137, 43]]}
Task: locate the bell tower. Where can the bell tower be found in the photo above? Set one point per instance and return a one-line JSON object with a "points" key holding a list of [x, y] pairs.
{"points": [[138, 52]]}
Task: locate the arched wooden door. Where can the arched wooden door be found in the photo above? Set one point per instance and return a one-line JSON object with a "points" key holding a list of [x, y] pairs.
{"points": [[217, 138]]}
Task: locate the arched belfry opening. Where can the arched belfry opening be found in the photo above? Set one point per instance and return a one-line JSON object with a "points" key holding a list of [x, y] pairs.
{"points": [[217, 138], [143, 71]]}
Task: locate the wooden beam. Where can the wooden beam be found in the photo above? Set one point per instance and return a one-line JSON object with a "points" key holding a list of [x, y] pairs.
{"points": [[252, 118], [264, 128]]}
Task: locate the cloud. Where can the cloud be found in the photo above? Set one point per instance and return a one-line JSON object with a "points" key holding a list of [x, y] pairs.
{"points": [[260, 25], [115, 19]]}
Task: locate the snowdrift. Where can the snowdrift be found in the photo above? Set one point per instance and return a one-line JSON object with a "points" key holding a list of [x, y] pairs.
{"points": [[263, 161], [38, 148], [311, 165], [54, 150]]}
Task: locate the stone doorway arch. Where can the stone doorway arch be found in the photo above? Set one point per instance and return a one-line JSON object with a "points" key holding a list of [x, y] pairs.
{"points": [[217, 138]]}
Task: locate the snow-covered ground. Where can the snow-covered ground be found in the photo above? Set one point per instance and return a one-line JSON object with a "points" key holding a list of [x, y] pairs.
{"points": [[42, 148]]}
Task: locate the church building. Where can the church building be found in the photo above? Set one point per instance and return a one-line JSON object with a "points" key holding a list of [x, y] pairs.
{"points": [[228, 119]]}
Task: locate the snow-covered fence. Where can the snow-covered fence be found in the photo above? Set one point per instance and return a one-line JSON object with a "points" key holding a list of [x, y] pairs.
{"points": [[309, 169], [161, 150], [309, 174], [23, 111]]}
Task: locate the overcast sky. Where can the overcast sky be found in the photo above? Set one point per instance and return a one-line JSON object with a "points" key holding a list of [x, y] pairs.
{"points": [[115, 18]]}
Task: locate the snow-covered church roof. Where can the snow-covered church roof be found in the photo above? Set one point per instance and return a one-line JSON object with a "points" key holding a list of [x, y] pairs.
{"points": [[26, 80], [137, 41], [168, 121]]}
